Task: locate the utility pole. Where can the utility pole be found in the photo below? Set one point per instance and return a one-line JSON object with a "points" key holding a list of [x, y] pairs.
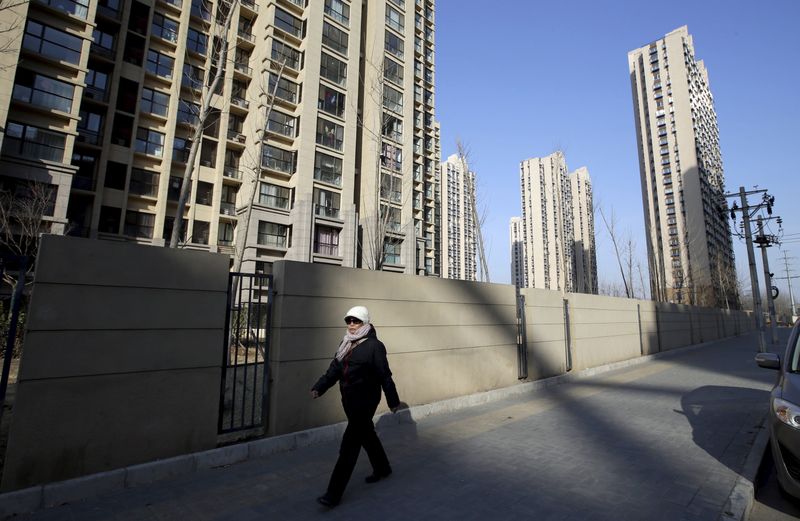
{"points": [[764, 242], [751, 259], [788, 279]]}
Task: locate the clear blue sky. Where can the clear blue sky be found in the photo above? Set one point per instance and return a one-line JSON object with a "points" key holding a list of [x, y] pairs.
{"points": [[520, 79]]}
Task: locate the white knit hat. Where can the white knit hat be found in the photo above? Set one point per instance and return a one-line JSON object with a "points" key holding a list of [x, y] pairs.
{"points": [[359, 312]]}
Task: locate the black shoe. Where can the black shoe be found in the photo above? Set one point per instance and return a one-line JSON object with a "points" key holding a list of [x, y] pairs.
{"points": [[327, 501], [377, 476]]}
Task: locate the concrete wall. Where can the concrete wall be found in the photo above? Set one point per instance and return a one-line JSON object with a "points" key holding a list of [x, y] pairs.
{"points": [[445, 338], [122, 358]]}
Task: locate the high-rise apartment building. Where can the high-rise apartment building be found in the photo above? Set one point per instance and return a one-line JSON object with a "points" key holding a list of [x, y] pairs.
{"points": [[689, 247], [557, 226], [459, 232], [103, 95], [517, 253]]}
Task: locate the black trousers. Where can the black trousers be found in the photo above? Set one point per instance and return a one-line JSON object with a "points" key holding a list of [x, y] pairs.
{"points": [[360, 432]]}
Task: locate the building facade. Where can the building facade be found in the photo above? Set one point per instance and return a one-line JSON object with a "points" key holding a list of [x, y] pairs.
{"points": [[557, 226], [517, 253], [690, 253], [459, 232], [322, 125]]}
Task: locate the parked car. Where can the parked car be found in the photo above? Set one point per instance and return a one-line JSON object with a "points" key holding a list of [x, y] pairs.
{"points": [[784, 417]]}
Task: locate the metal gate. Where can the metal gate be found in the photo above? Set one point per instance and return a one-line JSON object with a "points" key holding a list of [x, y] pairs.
{"points": [[243, 403], [17, 268]]}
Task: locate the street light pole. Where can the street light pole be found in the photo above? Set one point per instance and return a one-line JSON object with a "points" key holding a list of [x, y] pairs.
{"points": [[751, 260]]}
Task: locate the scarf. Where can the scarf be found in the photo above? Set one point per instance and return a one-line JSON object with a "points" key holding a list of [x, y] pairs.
{"points": [[350, 341]]}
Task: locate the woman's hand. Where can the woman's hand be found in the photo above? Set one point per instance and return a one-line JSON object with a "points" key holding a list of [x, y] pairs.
{"points": [[314, 394]]}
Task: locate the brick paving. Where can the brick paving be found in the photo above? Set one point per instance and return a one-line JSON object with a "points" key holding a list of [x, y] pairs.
{"points": [[662, 440]]}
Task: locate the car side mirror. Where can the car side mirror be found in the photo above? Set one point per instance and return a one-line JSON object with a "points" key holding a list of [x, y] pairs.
{"points": [[768, 360]]}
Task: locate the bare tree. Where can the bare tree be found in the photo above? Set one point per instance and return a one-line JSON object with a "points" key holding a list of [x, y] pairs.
{"points": [[23, 219], [10, 23], [613, 232], [220, 34], [463, 157]]}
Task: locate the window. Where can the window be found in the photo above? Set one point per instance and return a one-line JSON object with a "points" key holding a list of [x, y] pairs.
{"points": [[33, 142], [192, 76], [271, 234], [286, 90], [327, 203], [392, 99], [333, 69], [90, 127], [200, 232], [96, 84], [225, 234], [330, 134], [394, 19], [200, 9], [288, 23], [331, 101], [391, 157], [188, 112], [159, 64], [127, 95], [52, 43], [197, 42], [122, 130], [328, 169], [109, 219], [273, 196], [205, 193], [391, 216], [144, 182], [334, 38], [43, 91], [283, 53], [166, 28], [326, 241], [103, 42], [391, 188], [338, 10], [154, 102], [394, 44], [208, 153], [391, 251], [278, 159], [392, 71], [133, 50], [180, 150], [392, 127], [139, 224], [149, 142], [281, 123], [79, 8], [174, 189]]}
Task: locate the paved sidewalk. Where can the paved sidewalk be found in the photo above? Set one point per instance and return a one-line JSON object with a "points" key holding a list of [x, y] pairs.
{"points": [[663, 440]]}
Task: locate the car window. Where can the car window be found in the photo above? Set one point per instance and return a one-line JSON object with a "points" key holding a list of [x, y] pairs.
{"points": [[794, 356]]}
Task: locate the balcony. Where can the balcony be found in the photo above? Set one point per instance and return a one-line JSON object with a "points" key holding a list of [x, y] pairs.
{"points": [[235, 135], [250, 5], [232, 172], [227, 209], [326, 211], [174, 3], [247, 37], [243, 68], [240, 102], [90, 137], [95, 94]]}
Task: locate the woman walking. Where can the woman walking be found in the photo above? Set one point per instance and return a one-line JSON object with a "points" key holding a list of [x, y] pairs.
{"points": [[361, 368]]}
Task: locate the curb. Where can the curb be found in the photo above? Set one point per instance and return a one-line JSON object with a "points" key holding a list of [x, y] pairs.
{"points": [[740, 501], [39, 497]]}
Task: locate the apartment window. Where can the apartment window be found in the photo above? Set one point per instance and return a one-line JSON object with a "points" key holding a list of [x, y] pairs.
{"points": [[278, 159], [180, 150], [109, 219], [394, 19], [52, 43], [326, 241], [394, 44], [327, 203], [159, 64], [391, 216], [281, 123], [139, 224], [333, 69], [392, 127], [391, 157], [149, 142], [96, 84], [273, 196], [284, 53], [208, 153], [288, 23], [90, 127], [154, 102], [225, 234], [391, 251], [391, 188], [166, 28], [328, 169], [43, 91], [200, 232], [144, 182], [400, 3], [200, 9], [197, 42], [330, 134], [286, 89], [338, 10], [79, 8], [33, 142], [331, 101], [103, 42], [392, 99], [392, 71], [334, 38], [272, 234], [205, 193], [192, 76], [188, 112]]}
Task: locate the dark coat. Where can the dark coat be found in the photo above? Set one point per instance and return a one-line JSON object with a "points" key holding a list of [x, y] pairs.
{"points": [[361, 376]]}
